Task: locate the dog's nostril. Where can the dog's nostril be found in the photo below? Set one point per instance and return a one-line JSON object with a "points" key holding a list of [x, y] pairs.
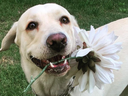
{"points": [[57, 41]]}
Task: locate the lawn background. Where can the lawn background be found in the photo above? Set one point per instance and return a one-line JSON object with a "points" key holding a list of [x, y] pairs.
{"points": [[87, 12]]}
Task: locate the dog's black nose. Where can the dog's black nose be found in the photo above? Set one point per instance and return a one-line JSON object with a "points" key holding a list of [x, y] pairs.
{"points": [[57, 41]]}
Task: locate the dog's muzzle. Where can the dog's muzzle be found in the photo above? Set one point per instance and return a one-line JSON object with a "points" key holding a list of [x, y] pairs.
{"points": [[57, 43], [58, 68]]}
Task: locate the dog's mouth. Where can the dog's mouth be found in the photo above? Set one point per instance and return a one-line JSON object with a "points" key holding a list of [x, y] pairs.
{"points": [[58, 68]]}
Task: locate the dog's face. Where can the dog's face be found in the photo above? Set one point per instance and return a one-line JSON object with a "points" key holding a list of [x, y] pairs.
{"points": [[45, 34]]}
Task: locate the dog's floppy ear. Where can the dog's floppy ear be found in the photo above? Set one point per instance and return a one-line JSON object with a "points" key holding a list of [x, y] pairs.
{"points": [[9, 38]]}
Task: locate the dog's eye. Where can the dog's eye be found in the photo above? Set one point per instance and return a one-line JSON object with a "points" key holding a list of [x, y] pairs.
{"points": [[32, 25], [64, 20]]}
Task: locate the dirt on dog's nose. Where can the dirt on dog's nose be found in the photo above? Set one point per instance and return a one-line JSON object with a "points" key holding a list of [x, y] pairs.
{"points": [[57, 41]]}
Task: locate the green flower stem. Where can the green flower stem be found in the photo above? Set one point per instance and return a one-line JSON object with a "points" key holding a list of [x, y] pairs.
{"points": [[33, 80], [65, 59]]}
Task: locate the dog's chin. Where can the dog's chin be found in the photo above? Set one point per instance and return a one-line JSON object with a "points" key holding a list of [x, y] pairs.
{"points": [[59, 69]]}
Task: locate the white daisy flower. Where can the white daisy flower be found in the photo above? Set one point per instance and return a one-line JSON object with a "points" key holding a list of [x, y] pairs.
{"points": [[98, 58]]}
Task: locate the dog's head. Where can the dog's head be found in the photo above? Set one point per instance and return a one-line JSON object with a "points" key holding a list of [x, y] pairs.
{"points": [[44, 34]]}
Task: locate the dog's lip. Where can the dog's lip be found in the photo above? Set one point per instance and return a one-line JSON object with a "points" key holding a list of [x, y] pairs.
{"points": [[56, 68]]}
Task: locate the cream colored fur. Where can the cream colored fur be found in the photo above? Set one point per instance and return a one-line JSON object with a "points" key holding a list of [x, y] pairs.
{"points": [[33, 42]]}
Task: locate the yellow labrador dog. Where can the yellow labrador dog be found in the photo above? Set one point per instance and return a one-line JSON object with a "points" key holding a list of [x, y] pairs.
{"points": [[44, 33]]}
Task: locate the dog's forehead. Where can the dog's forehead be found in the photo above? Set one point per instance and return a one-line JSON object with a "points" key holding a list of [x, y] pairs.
{"points": [[40, 12], [50, 8]]}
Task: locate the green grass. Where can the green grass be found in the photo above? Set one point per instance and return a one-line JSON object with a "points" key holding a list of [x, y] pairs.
{"points": [[87, 12]]}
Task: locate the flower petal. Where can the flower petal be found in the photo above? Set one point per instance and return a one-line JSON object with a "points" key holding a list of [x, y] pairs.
{"points": [[111, 49], [76, 29], [113, 56], [83, 80], [74, 53], [105, 41], [91, 82], [91, 34], [83, 52], [112, 36], [84, 36], [99, 84], [100, 34], [104, 75], [110, 63]]}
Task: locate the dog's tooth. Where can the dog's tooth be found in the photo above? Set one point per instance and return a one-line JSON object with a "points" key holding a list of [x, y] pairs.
{"points": [[65, 61], [51, 64], [63, 57], [57, 70]]}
